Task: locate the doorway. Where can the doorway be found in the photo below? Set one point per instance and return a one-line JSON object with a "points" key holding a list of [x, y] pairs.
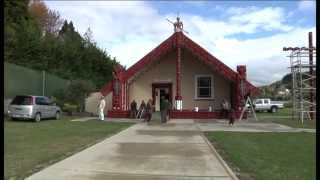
{"points": [[161, 90]]}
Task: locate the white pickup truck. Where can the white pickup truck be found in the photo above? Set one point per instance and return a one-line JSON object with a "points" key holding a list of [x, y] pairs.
{"points": [[267, 105]]}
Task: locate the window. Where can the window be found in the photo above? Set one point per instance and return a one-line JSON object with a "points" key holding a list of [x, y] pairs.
{"points": [[22, 100], [204, 87], [41, 101], [259, 101], [265, 101]]}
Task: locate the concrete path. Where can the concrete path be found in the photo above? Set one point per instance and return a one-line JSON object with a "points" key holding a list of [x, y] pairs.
{"points": [[83, 119], [242, 126], [145, 152]]}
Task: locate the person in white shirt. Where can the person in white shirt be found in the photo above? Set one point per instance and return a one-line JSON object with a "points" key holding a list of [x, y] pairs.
{"points": [[101, 105]]}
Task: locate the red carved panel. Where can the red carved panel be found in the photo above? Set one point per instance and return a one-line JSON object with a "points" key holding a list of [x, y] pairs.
{"points": [[118, 114]]}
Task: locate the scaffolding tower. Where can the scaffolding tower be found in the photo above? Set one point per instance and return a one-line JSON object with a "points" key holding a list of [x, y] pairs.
{"points": [[303, 67]]}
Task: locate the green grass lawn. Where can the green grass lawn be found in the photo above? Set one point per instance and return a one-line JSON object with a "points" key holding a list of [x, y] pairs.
{"points": [[29, 146], [283, 116], [266, 156], [280, 112]]}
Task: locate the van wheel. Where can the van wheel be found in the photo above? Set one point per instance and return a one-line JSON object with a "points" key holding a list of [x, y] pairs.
{"points": [[57, 115], [273, 109], [37, 117]]}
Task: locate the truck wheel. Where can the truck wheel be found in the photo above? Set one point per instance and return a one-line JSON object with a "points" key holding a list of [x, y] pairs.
{"points": [[13, 119], [273, 109]]}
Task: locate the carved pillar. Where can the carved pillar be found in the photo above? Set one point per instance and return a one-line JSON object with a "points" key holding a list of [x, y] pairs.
{"points": [[117, 92], [178, 97], [118, 88], [241, 91]]}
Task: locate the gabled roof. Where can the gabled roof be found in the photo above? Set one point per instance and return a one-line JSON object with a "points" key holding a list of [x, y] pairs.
{"points": [[186, 43]]}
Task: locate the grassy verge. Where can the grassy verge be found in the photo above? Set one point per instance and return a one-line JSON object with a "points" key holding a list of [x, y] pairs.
{"points": [[292, 123], [265, 156], [283, 116], [280, 112], [29, 147]]}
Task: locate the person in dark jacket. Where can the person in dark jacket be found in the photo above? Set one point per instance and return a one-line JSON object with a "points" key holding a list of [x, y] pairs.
{"points": [[133, 109], [168, 108], [149, 108], [163, 109], [232, 117]]}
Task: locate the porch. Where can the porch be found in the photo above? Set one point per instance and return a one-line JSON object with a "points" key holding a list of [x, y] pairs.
{"points": [[181, 114]]}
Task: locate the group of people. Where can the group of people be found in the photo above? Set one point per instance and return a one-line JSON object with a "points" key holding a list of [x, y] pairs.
{"points": [[145, 110]]}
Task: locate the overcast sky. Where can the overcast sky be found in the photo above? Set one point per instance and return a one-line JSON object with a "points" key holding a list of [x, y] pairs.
{"points": [[248, 32]]}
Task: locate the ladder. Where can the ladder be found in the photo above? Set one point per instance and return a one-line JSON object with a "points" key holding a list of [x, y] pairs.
{"points": [[140, 113], [251, 110]]}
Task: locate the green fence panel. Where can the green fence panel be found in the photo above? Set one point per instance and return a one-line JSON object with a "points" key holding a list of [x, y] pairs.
{"points": [[19, 80], [53, 84]]}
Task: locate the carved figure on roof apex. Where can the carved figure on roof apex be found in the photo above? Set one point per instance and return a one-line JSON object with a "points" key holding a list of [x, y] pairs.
{"points": [[178, 26]]}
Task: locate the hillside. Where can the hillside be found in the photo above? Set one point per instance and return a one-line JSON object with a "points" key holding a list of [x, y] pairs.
{"points": [[277, 90]]}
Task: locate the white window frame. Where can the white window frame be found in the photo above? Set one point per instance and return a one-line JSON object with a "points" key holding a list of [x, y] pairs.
{"points": [[196, 86]]}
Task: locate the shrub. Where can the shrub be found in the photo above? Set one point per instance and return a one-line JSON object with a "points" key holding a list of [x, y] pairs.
{"points": [[75, 94], [70, 108]]}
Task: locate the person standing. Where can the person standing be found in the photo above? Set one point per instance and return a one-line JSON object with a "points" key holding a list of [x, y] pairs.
{"points": [[142, 109], [225, 108], [232, 117], [133, 109], [163, 109], [169, 107], [149, 108], [101, 105]]}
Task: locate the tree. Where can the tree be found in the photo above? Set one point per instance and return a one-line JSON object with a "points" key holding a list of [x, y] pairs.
{"points": [[48, 20], [14, 11], [76, 93], [39, 11], [54, 22], [34, 39]]}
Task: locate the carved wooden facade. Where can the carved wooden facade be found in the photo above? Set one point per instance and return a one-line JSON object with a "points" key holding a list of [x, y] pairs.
{"points": [[177, 42]]}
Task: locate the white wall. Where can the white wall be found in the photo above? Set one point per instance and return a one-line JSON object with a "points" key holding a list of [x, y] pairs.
{"points": [[92, 101]]}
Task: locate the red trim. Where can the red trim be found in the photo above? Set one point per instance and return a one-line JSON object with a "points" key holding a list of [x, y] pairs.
{"points": [[178, 39], [185, 42], [215, 64], [170, 44], [152, 56], [184, 114]]}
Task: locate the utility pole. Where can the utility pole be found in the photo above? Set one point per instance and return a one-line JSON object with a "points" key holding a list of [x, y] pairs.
{"points": [[311, 73]]}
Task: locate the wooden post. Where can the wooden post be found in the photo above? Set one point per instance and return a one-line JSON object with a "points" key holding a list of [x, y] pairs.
{"points": [[178, 97], [311, 74]]}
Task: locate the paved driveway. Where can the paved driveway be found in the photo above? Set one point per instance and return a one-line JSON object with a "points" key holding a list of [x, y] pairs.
{"points": [[142, 152]]}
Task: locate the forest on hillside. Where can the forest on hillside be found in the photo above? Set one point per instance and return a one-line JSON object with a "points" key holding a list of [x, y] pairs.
{"points": [[38, 38]]}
